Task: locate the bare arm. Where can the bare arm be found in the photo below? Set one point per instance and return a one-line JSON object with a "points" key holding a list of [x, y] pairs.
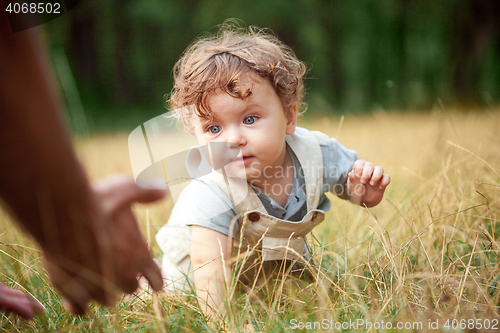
{"points": [[38, 163], [45, 188], [209, 252]]}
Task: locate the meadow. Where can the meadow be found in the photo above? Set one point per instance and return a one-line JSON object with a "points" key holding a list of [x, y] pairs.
{"points": [[425, 259]]}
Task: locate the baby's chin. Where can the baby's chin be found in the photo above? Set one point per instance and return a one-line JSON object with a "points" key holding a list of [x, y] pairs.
{"points": [[234, 171], [242, 171]]}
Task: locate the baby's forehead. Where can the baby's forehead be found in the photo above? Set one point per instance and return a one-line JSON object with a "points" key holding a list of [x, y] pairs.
{"points": [[247, 83], [252, 90], [220, 103]]}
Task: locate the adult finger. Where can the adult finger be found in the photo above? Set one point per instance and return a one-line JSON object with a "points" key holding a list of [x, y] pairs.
{"points": [[367, 172], [121, 190], [14, 301], [76, 299], [144, 195], [78, 294], [73, 307], [129, 248], [36, 305], [152, 272], [78, 288], [142, 264], [128, 283], [131, 192], [377, 175], [18, 306]]}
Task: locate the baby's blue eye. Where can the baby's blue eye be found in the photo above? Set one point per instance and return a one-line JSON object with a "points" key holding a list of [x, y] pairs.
{"points": [[214, 129], [249, 120]]}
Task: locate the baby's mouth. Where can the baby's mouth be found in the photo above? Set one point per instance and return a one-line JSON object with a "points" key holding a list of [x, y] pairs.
{"points": [[242, 158]]}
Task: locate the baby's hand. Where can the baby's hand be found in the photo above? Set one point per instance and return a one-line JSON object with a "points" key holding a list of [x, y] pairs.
{"points": [[366, 183]]}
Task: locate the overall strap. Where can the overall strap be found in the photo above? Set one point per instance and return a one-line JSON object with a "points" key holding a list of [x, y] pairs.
{"points": [[240, 193], [305, 145], [275, 237]]}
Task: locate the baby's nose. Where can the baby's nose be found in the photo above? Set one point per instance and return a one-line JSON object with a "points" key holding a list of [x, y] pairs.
{"points": [[236, 138], [231, 145]]}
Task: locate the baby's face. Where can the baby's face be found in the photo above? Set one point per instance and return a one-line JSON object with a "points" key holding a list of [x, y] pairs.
{"points": [[255, 126]]}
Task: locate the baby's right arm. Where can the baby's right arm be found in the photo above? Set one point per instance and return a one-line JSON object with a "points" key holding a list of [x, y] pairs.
{"points": [[209, 253]]}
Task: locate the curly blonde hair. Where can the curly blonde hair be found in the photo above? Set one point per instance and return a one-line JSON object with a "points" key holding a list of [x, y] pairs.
{"points": [[218, 61]]}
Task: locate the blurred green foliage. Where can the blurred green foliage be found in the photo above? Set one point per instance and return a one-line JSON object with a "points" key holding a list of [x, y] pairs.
{"points": [[362, 54]]}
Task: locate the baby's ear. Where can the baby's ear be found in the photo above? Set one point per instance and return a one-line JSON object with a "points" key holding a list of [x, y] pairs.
{"points": [[291, 120]]}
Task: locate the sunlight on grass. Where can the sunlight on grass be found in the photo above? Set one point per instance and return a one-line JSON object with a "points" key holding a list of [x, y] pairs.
{"points": [[429, 252]]}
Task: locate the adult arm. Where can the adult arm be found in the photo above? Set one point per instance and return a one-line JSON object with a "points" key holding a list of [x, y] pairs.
{"points": [[45, 188]]}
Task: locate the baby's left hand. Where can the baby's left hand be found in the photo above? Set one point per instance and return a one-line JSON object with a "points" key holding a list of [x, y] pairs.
{"points": [[366, 183]]}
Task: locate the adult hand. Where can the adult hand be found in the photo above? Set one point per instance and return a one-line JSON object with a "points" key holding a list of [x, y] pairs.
{"points": [[367, 183], [89, 237], [122, 252], [14, 301]]}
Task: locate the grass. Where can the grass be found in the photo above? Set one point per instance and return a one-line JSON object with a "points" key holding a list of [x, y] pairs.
{"points": [[428, 254]]}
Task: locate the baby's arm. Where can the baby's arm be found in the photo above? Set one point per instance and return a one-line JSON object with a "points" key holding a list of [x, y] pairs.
{"points": [[366, 183], [209, 252]]}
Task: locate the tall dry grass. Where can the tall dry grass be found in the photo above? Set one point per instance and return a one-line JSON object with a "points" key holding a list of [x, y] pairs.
{"points": [[429, 253]]}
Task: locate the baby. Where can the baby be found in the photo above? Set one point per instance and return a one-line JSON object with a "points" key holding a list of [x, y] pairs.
{"points": [[245, 88]]}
